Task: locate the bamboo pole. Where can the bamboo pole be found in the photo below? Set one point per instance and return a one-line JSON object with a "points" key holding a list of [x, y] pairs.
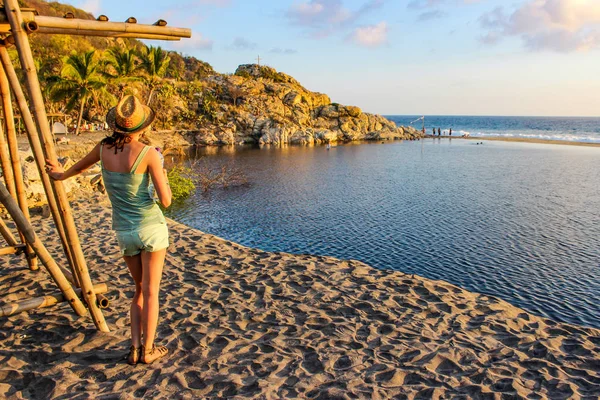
{"points": [[41, 251], [6, 234], [12, 249], [103, 301], [38, 153], [44, 301], [32, 83], [13, 149], [84, 32], [9, 177], [120, 27]]}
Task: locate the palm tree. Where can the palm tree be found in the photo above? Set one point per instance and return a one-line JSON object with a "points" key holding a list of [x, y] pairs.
{"points": [[153, 63], [79, 82], [124, 64]]}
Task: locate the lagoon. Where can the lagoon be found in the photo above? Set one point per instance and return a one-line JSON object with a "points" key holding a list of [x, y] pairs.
{"points": [[518, 221]]}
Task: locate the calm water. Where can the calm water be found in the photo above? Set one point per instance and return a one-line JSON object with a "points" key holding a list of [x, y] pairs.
{"points": [[518, 221], [574, 129]]}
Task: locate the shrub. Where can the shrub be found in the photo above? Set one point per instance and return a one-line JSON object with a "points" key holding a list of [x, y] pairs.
{"points": [[243, 74], [182, 182], [220, 175]]}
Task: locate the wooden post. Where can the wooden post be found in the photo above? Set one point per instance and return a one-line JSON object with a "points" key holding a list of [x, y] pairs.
{"points": [[44, 301], [36, 147], [13, 149], [13, 12], [45, 257], [6, 234]]}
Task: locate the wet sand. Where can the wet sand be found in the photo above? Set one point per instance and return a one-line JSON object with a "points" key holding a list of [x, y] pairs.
{"points": [[244, 323]]}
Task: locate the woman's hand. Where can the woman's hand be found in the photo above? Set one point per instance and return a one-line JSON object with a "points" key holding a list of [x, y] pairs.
{"points": [[55, 170]]}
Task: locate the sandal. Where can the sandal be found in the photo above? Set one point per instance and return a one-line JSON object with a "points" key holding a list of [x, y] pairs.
{"points": [[148, 357], [134, 355]]}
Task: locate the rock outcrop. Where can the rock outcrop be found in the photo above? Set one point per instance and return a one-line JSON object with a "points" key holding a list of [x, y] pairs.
{"points": [[260, 105]]}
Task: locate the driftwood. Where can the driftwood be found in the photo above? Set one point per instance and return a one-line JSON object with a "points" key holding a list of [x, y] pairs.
{"points": [[37, 103], [45, 301]]}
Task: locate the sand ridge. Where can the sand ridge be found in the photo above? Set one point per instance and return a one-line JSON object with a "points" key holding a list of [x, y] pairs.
{"points": [[244, 323]]}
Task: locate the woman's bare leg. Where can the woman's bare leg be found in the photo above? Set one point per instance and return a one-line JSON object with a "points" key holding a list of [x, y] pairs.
{"points": [[152, 266], [134, 263]]}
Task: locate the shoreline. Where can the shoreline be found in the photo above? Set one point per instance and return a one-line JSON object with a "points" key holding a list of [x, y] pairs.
{"points": [[517, 140], [249, 323]]}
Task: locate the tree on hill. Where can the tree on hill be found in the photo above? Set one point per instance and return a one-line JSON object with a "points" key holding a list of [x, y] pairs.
{"points": [[79, 82], [153, 63], [121, 68]]}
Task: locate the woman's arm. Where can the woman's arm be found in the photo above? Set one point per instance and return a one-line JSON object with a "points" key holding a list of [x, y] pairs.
{"points": [[58, 173], [159, 178]]}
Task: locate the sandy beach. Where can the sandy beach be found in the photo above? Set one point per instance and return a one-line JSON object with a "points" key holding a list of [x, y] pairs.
{"points": [[244, 323], [529, 140]]}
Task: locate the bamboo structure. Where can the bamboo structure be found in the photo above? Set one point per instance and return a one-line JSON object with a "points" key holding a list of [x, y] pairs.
{"points": [[15, 26], [36, 147], [13, 149], [45, 301], [45, 136], [40, 250]]}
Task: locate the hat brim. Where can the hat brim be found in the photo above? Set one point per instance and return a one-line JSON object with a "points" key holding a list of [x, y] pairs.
{"points": [[112, 122]]}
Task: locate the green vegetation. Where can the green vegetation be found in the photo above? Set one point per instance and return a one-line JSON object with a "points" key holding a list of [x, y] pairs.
{"points": [[181, 182], [85, 76], [78, 83]]}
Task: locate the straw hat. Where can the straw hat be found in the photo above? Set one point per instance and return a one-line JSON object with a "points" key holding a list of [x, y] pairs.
{"points": [[129, 116]]}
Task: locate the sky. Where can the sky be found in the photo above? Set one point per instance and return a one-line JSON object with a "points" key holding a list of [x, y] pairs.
{"points": [[408, 57]]}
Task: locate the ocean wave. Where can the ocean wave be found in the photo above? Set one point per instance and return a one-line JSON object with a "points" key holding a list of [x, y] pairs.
{"points": [[587, 138]]}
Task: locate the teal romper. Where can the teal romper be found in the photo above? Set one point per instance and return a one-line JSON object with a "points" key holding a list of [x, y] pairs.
{"points": [[138, 221]]}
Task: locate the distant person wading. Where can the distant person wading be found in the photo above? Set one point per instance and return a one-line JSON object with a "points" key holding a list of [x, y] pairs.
{"points": [[141, 230]]}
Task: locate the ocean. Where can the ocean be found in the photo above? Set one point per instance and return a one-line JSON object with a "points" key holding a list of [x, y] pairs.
{"points": [[573, 129], [519, 221]]}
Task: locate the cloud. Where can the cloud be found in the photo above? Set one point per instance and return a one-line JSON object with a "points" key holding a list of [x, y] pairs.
{"points": [[91, 6], [326, 17], [557, 25], [278, 50], [239, 43], [370, 35], [218, 3], [429, 15], [421, 4], [196, 42]]}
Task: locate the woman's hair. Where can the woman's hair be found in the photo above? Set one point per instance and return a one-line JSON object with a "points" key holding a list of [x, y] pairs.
{"points": [[117, 140]]}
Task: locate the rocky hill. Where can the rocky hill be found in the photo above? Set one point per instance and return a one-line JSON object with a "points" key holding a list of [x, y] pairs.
{"points": [[260, 105]]}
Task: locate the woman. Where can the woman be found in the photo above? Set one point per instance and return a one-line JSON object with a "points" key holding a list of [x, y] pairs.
{"points": [[138, 221]]}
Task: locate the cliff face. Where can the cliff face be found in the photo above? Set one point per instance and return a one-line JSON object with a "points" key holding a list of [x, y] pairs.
{"points": [[261, 105]]}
